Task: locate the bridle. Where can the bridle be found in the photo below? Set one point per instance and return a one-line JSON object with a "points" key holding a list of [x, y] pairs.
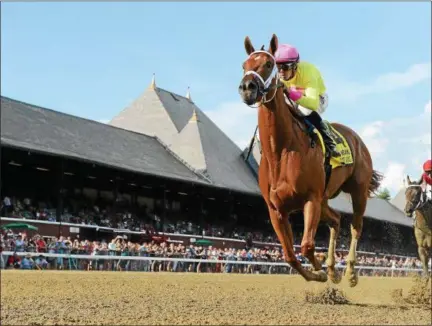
{"points": [[265, 86], [420, 202]]}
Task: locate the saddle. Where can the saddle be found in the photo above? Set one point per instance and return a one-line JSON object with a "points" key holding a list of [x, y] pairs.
{"points": [[315, 136]]}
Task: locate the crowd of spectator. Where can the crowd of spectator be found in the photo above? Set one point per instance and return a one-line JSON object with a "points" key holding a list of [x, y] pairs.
{"points": [[120, 246], [79, 211]]}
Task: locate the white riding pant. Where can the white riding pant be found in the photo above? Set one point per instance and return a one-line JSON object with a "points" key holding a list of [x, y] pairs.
{"points": [[428, 192], [321, 108]]}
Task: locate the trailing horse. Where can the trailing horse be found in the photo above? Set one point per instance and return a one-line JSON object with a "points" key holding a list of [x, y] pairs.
{"points": [[417, 203], [296, 175]]}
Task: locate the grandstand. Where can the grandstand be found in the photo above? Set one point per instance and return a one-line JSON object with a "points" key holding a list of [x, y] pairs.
{"points": [[163, 152]]}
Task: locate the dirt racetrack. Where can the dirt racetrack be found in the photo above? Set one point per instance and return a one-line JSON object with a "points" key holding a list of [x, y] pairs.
{"points": [[137, 298]]}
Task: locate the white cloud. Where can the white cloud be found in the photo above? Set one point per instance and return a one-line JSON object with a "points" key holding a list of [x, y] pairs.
{"points": [[398, 146], [394, 174], [236, 120], [373, 137], [396, 80], [422, 139], [350, 91], [103, 120], [371, 130], [428, 108]]}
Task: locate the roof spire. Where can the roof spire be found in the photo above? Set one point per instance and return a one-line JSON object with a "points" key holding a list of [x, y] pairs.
{"points": [[188, 96], [153, 82], [194, 117]]}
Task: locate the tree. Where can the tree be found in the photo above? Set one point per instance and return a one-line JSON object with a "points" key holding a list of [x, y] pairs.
{"points": [[384, 194]]}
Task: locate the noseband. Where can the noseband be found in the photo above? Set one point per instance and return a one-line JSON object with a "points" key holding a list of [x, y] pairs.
{"points": [[264, 86]]}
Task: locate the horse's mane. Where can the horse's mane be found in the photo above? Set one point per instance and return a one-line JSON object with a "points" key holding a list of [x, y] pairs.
{"points": [[294, 111]]}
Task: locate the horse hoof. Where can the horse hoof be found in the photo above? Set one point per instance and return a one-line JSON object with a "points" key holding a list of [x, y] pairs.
{"points": [[352, 279], [321, 276], [335, 277], [332, 273]]}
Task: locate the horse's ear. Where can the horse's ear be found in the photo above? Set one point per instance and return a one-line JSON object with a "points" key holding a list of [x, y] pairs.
{"points": [[274, 42], [248, 45], [408, 180], [415, 182]]}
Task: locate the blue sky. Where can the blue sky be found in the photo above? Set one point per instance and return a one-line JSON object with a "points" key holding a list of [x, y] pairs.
{"points": [[93, 59]]}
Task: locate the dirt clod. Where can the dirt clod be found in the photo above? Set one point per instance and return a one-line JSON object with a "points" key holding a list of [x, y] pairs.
{"points": [[329, 295], [397, 296], [420, 292]]}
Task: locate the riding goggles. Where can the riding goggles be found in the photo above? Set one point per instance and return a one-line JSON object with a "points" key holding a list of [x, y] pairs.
{"points": [[286, 66]]}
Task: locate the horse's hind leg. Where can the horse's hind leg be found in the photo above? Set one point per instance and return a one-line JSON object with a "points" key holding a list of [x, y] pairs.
{"points": [[359, 201], [333, 220], [427, 256]]}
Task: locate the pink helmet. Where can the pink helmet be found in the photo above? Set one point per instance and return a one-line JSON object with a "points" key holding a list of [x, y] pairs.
{"points": [[286, 53]]}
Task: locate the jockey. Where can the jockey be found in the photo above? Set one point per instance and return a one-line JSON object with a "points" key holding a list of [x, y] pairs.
{"points": [[305, 86], [427, 178]]}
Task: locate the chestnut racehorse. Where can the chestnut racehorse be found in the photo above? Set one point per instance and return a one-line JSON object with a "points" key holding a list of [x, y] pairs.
{"points": [[291, 172]]}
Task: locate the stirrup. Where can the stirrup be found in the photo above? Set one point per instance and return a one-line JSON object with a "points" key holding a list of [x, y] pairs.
{"points": [[331, 147]]}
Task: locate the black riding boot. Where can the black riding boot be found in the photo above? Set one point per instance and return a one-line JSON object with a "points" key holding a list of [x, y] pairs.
{"points": [[316, 120]]}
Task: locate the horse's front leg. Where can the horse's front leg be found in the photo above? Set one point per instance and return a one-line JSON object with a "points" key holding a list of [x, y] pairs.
{"points": [[312, 214], [284, 233], [423, 248], [423, 254]]}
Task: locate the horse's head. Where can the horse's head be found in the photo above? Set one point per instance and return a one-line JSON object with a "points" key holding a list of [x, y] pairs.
{"points": [[413, 196], [259, 71]]}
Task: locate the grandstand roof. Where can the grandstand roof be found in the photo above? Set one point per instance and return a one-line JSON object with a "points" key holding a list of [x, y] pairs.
{"points": [[34, 128], [376, 208], [398, 201], [254, 158], [190, 134]]}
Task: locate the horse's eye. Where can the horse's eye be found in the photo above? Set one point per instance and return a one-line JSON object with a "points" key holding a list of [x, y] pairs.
{"points": [[268, 64]]}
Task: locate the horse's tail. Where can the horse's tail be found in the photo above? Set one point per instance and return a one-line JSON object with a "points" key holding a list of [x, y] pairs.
{"points": [[375, 182]]}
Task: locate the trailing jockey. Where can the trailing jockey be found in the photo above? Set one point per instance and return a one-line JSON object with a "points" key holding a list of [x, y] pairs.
{"points": [[426, 179], [426, 184], [304, 85]]}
